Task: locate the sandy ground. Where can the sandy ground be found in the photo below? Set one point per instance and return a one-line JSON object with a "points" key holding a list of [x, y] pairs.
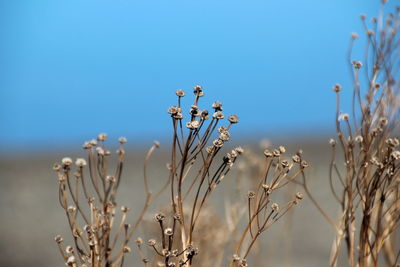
{"points": [[31, 216]]}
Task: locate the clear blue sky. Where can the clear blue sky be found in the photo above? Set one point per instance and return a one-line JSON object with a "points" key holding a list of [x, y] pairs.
{"points": [[71, 69]]}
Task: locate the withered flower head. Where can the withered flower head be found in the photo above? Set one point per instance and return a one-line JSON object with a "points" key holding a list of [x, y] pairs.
{"points": [[233, 119], [180, 93]]}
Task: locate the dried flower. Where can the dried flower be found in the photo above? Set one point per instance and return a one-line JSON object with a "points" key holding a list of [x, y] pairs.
{"points": [[80, 162], [58, 239], [218, 115], [225, 136], [66, 161], [168, 231], [357, 64], [337, 88], [102, 137], [251, 194], [151, 242], [159, 217], [233, 119], [122, 140], [180, 93], [267, 153], [218, 143], [275, 207], [217, 106]]}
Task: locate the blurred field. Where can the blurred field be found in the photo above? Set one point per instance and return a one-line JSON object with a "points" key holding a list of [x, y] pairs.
{"points": [[31, 216]]}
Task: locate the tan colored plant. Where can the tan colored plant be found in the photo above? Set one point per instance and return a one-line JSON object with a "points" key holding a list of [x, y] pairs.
{"points": [[196, 169], [90, 206], [365, 179]]}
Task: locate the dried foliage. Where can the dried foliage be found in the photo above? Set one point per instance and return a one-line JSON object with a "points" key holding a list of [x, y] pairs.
{"points": [[197, 167], [365, 177]]}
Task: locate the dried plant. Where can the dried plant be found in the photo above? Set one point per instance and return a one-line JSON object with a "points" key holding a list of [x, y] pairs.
{"points": [[365, 179], [197, 167], [273, 173], [90, 206]]}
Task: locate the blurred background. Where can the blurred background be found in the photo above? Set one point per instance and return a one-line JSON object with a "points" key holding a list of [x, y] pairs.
{"points": [[72, 69]]}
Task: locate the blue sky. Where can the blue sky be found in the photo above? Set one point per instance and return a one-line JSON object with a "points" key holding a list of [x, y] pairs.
{"points": [[71, 69]]}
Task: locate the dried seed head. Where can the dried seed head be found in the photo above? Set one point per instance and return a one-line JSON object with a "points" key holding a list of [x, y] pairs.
{"points": [[267, 153], [66, 161], [239, 150], [56, 167], [139, 241], [235, 257], [225, 136], [111, 179], [344, 117], [299, 196], [195, 124], [122, 140], [180, 93], [217, 106], [80, 162], [359, 139], [87, 145], [177, 116], [194, 110], [100, 151], [102, 137], [71, 260], [233, 119], [363, 16], [231, 155], [124, 209], [354, 35], [304, 164], [93, 142], [159, 217], [243, 263], [222, 129], [285, 163], [173, 110], [383, 122], [71, 209], [332, 142], [337, 88], [69, 249], [276, 152], [357, 64], [296, 159], [151, 242], [370, 33], [251, 195], [198, 90], [282, 149], [204, 114], [58, 239], [275, 207], [168, 231], [218, 143], [127, 249], [218, 115]]}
